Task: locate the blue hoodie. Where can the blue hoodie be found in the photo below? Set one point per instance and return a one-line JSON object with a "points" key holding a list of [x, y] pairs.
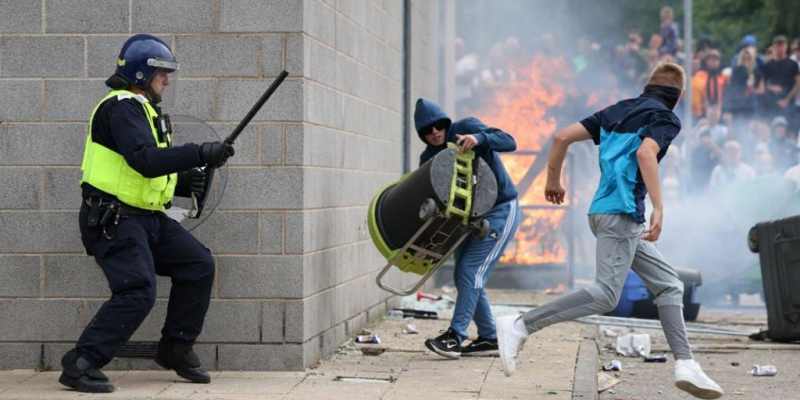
{"points": [[490, 142]]}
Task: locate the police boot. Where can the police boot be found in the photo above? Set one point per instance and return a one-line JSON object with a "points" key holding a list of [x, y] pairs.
{"points": [[79, 374], [181, 358]]}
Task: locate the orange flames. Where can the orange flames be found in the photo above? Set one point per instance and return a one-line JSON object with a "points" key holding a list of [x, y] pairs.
{"points": [[521, 108]]}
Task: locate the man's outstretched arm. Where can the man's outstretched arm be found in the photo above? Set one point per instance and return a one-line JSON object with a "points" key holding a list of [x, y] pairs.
{"points": [[576, 132]]}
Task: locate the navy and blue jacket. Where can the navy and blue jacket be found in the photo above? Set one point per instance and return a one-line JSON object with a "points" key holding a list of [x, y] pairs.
{"points": [[619, 130], [490, 142]]}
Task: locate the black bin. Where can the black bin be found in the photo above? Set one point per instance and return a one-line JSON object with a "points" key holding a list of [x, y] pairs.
{"points": [[397, 207], [778, 245]]}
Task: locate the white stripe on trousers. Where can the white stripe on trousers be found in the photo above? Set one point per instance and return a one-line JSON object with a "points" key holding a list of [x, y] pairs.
{"points": [[499, 245]]}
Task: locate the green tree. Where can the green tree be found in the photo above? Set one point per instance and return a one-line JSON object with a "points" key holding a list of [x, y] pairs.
{"points": [[786, 17], [724, 22], [727, 21]]}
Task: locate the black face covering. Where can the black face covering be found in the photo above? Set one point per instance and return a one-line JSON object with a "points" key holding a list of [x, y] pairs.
{"points": [[666, 94]]}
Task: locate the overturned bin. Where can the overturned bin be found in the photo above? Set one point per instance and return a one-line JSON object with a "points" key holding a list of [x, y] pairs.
{"points": [[418, 221]]}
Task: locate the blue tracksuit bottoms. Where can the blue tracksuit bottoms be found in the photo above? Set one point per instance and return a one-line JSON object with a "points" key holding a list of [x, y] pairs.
{"points": [[475, 260]]}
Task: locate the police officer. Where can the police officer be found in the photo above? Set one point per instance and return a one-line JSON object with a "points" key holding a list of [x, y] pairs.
{"points": [[130, 174]]}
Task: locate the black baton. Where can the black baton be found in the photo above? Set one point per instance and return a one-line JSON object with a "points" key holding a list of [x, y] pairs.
{"points": [[200, 201], [250, 114]]}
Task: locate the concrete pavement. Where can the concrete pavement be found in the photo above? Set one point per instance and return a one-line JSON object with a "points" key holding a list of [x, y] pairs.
{"points": [[405, 371], [726, 359]]}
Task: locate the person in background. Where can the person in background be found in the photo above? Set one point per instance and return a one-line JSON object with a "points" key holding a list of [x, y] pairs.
{"points": [[745, 85], [793, 175], [672, 174], [719, 129], [759, 138], [748, 42], [466, 66], [497, 72], [652, 53], [669, 32], [795, 50], [794, 108], [763, 163], [782, 146], [781, 80], [732, 169], [708, 85], [705, 157]]}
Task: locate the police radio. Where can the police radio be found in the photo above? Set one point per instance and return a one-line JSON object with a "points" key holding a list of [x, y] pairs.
{"points": [[199, 200]]}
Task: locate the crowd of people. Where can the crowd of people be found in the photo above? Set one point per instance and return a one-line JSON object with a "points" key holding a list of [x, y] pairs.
{"points": [[745, 109]]}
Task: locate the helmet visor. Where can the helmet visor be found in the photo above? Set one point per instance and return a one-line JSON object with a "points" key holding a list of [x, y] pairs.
{"points": [[168, 65]]}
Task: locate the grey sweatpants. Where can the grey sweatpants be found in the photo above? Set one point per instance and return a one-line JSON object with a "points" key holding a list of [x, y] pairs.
{"points": [[619, 248]]}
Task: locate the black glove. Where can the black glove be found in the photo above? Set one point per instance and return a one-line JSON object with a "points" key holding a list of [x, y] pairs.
{"points": [[191, 181], [214, 154]]}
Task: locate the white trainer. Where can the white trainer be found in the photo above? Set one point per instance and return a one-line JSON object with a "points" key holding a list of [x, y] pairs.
{"points": [[510, 339], [690, 377]]}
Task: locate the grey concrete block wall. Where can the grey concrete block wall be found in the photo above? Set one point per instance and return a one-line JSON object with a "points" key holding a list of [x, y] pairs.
{"points": [[295, 266]]}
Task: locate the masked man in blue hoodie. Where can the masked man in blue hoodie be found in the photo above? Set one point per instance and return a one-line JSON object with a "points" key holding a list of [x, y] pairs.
{"points": [[475, 259], [633, 135]]}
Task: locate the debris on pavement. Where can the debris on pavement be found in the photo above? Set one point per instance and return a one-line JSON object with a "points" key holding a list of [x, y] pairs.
{"points": [[370, 339], [691, 327], [425, 304], [418, 314], [605, 382], [734, 348], [634, 345], [734, 364], [449, 299], [429, 296], [410, 329], [656, 358], [613, 365], [365, 379], [434, 297], [372, 350], [611, 332], [764, 370], [394, 314]]}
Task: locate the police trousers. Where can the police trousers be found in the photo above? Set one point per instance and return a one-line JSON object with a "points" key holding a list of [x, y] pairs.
{"points": [[131, 253]]}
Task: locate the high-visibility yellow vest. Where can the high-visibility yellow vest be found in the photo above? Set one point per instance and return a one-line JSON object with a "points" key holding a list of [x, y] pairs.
{"points": [[108, 171]]}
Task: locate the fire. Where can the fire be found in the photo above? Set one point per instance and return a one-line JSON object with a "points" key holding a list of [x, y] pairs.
{"points": [[523, 108]]}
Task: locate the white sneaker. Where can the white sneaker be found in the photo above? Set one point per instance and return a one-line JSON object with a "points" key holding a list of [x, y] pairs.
{"points": [[510, 339], [690, 377]]}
